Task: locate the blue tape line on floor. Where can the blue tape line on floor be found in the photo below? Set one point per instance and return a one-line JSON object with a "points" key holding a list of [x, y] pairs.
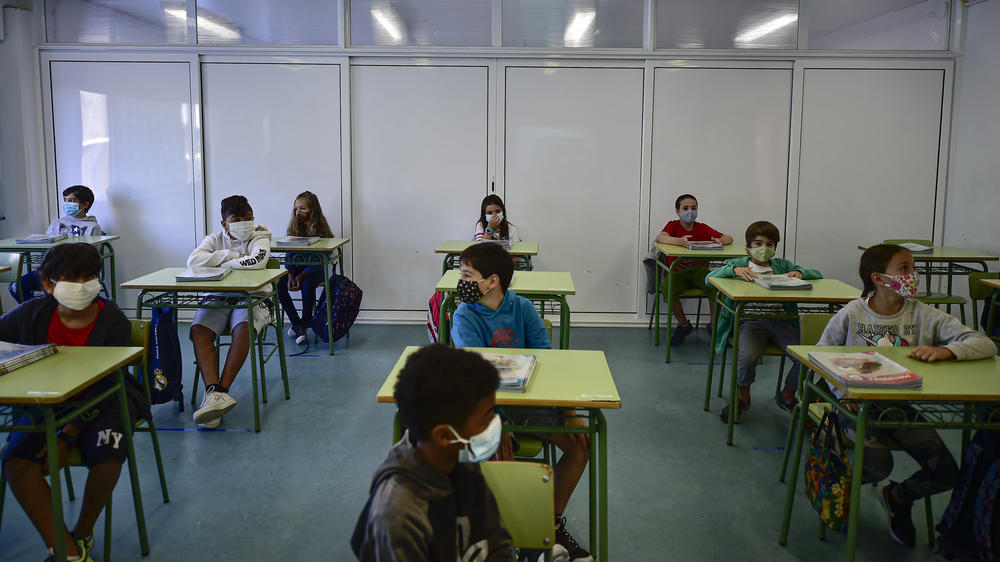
{"points": [[304, 355], [200, 429], [781, 448], [703, 363]]}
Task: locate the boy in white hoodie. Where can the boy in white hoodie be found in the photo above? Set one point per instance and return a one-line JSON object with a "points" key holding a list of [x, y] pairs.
{"points": [[77, 201], [240, 245]]}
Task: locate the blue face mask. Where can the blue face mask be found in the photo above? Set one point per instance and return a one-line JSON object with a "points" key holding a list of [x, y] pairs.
{"points": [[71, 209], [689, 215]]}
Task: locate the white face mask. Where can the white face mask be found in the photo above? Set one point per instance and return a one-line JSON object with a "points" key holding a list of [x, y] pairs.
{"points": [[77, 296], [241, 230], [482, 446], [490, 217]]}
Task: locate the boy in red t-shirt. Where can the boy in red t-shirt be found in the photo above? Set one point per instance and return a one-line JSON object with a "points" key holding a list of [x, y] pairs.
{"points": [[70, 313], [687, 275]]}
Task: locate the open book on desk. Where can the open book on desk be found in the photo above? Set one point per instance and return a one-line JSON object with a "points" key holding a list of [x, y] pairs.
{"points": [[782, 283], [297, 241], [703, 245], [865, 369], [515, 370], [40, 239], [204, 274]]}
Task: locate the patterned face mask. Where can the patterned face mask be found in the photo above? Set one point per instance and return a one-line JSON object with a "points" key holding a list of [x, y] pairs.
{"points": [[469, 291], [905, 286]]}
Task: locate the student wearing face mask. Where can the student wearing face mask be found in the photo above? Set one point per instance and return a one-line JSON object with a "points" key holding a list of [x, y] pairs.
{"points": [[428, 499], [887, 314], [241, 244], [307, 220], [493, 223], [77, 202], [492, 315], [762, 239], [71, 313]]}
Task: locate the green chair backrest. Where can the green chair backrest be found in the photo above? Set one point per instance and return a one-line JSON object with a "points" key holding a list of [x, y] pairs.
{"points": [[139, 337], [524, 495], [978, 291], [273, 263], [811, 327], [14, 261], [921, 241]]}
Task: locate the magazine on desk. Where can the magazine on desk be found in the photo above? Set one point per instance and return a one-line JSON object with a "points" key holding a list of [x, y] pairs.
{"points": [[193, 274], [782, 283], [866, 369], [41, 239], [14, 355], [915, 248], [297, 241], [515, 370], [703, 245]]}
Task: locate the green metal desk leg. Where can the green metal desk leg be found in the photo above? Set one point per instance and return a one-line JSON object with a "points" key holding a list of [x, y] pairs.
{"points": [[58, 523], [856, 475], [657, 284], [563, 321], [325, 263], [397, 427], [602, 461], [733, 399], [253, 360], [711, 354], [133, 471], [800, 431], [593, 477], [111, 259], [281, 340], [796, 411], [670, 306]]}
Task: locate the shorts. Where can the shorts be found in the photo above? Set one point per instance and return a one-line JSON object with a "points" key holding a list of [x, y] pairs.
{"points": [[685, 279], [219, 319], [102, 438], [535, 417]]}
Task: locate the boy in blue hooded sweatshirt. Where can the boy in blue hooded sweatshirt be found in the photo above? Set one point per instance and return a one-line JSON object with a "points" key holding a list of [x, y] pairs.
{"points": [[492, 315], [762, 238]]}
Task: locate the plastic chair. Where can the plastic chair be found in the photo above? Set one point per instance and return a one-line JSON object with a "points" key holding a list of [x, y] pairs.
{"points": [[262, 343], [700, 294], [935, 299], [524, 494], [771, 350], [12, 277], [979, 292]]}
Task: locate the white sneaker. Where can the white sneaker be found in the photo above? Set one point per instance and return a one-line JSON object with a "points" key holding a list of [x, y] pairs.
{"points": [[213, 406], [214, 424], [301, 339], [292, 333]]}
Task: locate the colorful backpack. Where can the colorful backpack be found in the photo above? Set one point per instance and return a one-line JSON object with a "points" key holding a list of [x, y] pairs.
{"points": [[346, 305]]}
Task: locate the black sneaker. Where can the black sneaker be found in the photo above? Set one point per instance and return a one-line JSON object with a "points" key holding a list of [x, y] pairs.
{"points": [[680, 332], [566, 540], [900, 523], [559, 554], [708, 328], [742, 407]]}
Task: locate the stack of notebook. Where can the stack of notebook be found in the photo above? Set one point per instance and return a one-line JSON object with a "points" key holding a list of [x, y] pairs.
{"points": [[15, 355], [866, 369], [515, 370]]}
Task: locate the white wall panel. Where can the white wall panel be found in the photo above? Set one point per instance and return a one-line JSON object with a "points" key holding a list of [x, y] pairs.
{"points": [[419, 148], [124, 130], [572, 158], [868, 164], [272, 131]]}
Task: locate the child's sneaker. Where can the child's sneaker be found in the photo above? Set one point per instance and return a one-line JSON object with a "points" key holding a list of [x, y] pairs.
{"points": [[214, 424], [708, 328], [741, 407], [575, 552], [81, 545], [900, 523], [680, 332], [559, 554], [213, 406], [786, 406]]}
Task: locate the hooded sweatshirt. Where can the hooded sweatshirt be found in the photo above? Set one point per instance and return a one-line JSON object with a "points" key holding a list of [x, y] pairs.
{"points": [[75, 226], [514, 324], [219, 249], [416, 513]]}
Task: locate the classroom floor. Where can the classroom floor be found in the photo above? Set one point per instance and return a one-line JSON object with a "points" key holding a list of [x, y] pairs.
{"points": [[294, 491]]}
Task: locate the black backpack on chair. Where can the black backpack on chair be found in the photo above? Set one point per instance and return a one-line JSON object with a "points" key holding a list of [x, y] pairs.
{"points": [[345, 306]]}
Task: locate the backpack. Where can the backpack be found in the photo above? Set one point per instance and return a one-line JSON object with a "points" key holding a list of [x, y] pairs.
{"points": [[967, 527], [346, 304], [164, 369], [434, 316]]}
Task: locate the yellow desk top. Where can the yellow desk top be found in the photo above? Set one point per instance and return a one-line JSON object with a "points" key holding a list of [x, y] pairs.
{"points": [[238, 280], [458, 246], [944, 381], [523, 283], [322, 245], [995, 283], [59, 377], [4, 268], [565, 378], [728, 251], [824, 290], [946, 253], [11, 245]]}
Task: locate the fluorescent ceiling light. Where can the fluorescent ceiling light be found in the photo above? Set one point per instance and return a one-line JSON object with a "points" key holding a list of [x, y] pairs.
{"points": [[387, 19], [578, 26], [205, 24], [755, 33]]}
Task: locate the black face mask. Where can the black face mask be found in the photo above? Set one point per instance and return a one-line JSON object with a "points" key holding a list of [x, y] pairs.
{"points": [[469, 291]]}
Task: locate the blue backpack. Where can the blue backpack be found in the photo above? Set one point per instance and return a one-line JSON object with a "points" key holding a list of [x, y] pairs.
{"points": [[346, 304], [164, 377], [969, 528]]}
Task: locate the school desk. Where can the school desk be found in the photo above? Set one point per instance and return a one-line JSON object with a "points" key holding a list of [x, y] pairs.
{"points": [[682, 254], [453, 248], [993, 303], [539, 286], [317, 253], [562, 379], [161, 290], [948, 399], [102, 243], [46, 387], [750, 300]]}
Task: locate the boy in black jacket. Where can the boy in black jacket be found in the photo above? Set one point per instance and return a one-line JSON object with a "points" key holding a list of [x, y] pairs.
{"points": [[70, 313], [429, 500]]}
